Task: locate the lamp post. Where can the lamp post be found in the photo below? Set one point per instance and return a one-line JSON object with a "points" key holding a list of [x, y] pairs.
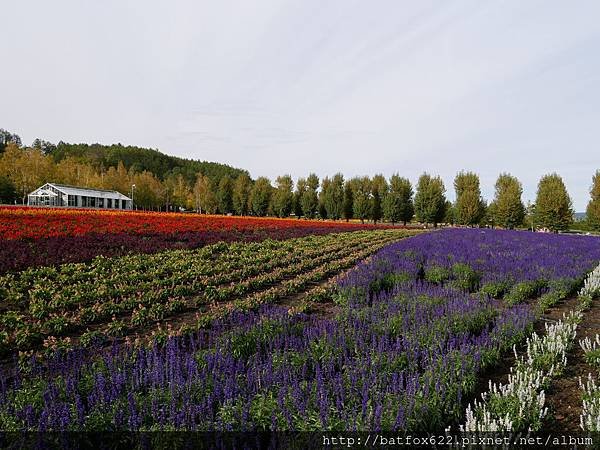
{"points": [[132, 188]]}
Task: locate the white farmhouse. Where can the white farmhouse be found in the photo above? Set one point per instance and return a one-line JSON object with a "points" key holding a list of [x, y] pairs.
{"points": [[56, 195]]}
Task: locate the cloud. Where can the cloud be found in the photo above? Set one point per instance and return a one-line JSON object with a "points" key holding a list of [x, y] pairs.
{"points": [[280, 86]]}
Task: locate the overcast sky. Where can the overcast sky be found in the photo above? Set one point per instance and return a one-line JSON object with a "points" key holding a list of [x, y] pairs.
{"points": [[276, 86]]}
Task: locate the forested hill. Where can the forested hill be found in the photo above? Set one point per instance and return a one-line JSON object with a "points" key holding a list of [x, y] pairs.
{"points": [[141, 159]]}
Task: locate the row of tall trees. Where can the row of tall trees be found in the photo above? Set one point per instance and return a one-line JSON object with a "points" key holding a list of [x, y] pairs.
{"points": [[22, 169]]}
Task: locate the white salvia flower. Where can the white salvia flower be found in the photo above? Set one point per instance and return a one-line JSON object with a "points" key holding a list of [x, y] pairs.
{"points": [[526, 381], [591, 284], [588, 345]]}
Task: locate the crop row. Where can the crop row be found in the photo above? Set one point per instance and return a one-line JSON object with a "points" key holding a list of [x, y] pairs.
{"points": [[35, 223], [194, 278], [32, 237], [401, 353], [519, 404], [590, 414]]}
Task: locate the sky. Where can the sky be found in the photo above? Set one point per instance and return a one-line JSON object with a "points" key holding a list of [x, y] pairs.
{"points": [[324, 86]]}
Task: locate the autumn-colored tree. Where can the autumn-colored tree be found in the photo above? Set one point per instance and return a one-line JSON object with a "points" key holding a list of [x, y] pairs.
{"points": [[507, 209], [553, 206], [73, 172], [148, 190], [205, 200], [26, 168], [592, 211]]}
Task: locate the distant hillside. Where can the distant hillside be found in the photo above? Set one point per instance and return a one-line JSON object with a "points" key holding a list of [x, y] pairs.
{"points": [[579, 216], [142, 159]]}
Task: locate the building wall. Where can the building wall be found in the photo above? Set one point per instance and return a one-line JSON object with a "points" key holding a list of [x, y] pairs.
{"points": [[78, 201]]}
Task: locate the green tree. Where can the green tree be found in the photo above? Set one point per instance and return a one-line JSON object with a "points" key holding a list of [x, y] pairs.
{"points": [[283, 197], [241, 194], [301, 187], [398, 204], [592, 212], [430, 200], [323, 194], [469, 206], [379, 190], [332, 196], [310, 199], [7, 137], [225, 195], [507, 209], [8, 193], [363, 198], [348, 200], [260, 196], [553, 206]]}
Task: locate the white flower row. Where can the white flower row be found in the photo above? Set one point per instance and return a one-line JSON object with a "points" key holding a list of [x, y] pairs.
{"points": [[590, 346], [520, 403], [589, 419], [591, 284]]}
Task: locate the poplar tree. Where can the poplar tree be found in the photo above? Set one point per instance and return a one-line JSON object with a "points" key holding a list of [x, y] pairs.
{"points": [[398, 204], [553, 206], [348, 201], [362, 198], [379, 190], [430, 200], [298, 193], [507, 209], [241, 194], [260, 196], [469, 206], [310, 199], [283, 197], [323, 193], [225, 195], [333, 196], [592, 212]]}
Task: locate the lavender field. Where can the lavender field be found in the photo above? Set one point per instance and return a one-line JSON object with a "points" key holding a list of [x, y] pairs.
{"points": [[407, 336]]}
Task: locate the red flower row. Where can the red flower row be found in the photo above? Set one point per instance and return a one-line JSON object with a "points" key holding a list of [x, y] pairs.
{"points": [[37, 223]]}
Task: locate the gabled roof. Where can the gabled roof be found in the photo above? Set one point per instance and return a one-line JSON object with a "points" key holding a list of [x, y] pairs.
{"points": [[88, 192]]}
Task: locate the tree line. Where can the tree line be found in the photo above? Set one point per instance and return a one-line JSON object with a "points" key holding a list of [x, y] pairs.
{"points": [[22, 169]]}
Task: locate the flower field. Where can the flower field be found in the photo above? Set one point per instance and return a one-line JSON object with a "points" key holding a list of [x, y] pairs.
{"points": [[45, 236], [109, 297], [408, 334]]}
